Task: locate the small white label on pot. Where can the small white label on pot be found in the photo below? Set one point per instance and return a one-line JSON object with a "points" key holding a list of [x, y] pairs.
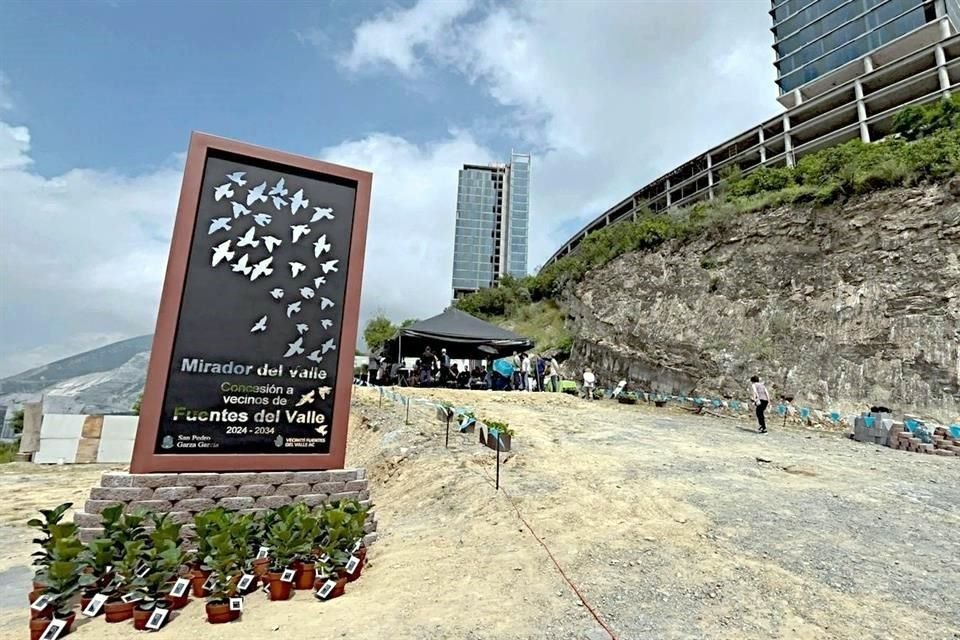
{"points": [[53, 630], [131, 597], [211, 582], [157, 618], [263, 552], [40, 603], [352, 564], [95, 605], [356, 547], [180, 587], [244, 582], [324, 559], [325, 590], [236, 604], [143, 571], [288, 575]]}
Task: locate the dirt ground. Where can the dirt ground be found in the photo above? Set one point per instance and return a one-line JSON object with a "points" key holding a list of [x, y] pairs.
{"points": [[666, 523]]}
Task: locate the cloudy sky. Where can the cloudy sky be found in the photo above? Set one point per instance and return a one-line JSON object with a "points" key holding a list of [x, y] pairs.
{"points": [[97, 101]]}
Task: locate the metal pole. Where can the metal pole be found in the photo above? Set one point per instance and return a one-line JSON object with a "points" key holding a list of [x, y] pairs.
{"points": [[498, 462], [407, 419], [447, 442], [400, 356], [380, 406]]}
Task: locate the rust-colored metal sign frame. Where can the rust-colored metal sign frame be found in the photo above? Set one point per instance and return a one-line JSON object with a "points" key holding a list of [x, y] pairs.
{"points": [[146, 458]]}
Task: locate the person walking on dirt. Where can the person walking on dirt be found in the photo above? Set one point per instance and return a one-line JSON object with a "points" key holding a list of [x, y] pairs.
{"points": [[761, 398], [524, 372]]}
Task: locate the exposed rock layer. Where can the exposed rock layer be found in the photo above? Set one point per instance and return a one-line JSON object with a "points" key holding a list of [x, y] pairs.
{"points": [[843, 306]]}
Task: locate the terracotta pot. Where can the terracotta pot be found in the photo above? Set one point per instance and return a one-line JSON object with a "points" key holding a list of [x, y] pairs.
{"points": [[39, 586], [197, 579], [119, 611], [45, 613], [86, 597], [38, 626], [219, 613], [338, 590], [279, 590], [306, 576], [174, 603], [140, 618], [356, 573], [261, 566]]}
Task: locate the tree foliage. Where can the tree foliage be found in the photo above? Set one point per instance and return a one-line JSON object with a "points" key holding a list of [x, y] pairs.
{"points": [[16, 422], [379, 329]]}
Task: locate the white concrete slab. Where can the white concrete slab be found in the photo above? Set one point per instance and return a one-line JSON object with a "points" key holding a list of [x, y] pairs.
{"points": [[115, 451], [57, 425], [119, 428], [57, 450]]}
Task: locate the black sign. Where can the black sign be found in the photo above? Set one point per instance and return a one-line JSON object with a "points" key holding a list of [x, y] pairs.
{"points": [[258, 333]]}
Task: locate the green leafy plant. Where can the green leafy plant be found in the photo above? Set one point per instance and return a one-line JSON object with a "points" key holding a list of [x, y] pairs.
{"points": [[502, 428], [50, 531], [287, 538], [224, 562], [208, 524], [125, 569], [163, 558], [64, 577], [97, 561]]}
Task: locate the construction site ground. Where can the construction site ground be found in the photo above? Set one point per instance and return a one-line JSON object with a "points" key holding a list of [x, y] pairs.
{"points": [[669, 525]]}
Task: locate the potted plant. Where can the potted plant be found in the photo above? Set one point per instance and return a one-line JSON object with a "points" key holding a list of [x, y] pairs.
{"points": [[47, 539], [122, 594], [207, 524], [305, 564], [159, 567], [444, 411], [286, 541], [262, 524], [64, 579], [497, 431], [627, 397], [223, 562], [96, 561], [327, 574], [467, 422]]}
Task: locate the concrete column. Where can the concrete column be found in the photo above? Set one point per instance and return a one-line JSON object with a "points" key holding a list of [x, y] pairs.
{"points": [[797, 97], [787, 140], [861, 111], [942, 70], [944, 28], [668, 192], [867, 64], [30, 437], [709, 176], [763, 149]]}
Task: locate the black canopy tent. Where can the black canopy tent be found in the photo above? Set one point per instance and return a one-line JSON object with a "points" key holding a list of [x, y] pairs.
{"points": [[461, 334]]}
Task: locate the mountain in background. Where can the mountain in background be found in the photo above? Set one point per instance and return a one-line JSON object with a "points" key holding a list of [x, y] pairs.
{"points": [[104, 380]]}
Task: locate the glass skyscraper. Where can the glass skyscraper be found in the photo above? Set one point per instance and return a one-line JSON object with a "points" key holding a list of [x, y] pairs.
{"points": [[814, 37], [493, 214]]}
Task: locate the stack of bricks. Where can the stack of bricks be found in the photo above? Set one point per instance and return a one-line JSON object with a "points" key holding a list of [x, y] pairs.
{"points": [[185, 494], [942, 443]]}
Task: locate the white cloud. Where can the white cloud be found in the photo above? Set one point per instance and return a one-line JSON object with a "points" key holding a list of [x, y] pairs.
{"points": [[612, 98], [83, 255], [409, 257], [395, 37]]}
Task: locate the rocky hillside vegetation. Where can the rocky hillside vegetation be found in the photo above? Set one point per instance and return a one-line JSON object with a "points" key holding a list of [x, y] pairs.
{"points": [[837, 280]]}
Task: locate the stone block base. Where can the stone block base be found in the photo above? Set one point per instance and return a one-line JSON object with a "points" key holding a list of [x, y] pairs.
{"points": [[186, 494]]}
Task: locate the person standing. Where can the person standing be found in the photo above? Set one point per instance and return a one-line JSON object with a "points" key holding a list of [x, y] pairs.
{"points": [[524, 372], [554, 371], [589, 381], [444, 367], [540, 369], [426, 363], [761, 398]]}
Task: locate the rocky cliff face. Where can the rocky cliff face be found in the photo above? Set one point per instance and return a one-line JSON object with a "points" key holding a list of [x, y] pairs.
{"points": [[842, 307]]}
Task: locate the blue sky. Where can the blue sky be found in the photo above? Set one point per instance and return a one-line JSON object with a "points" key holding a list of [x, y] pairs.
{"points": [[97, 100]]}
